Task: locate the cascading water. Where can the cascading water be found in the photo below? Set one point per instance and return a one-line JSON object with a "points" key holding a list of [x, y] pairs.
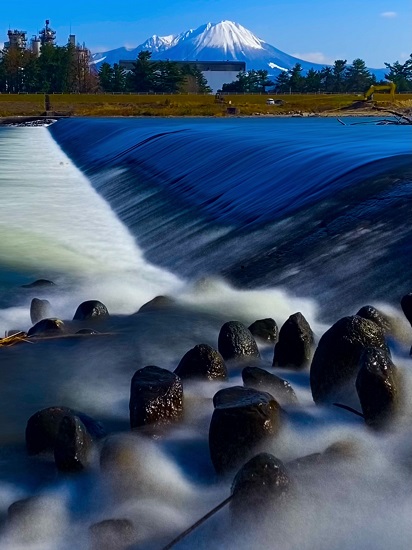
{"points": [[296, 213]]}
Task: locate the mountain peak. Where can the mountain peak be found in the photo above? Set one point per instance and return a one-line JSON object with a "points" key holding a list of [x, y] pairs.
{"points": [[223, 41], [228, 35]]}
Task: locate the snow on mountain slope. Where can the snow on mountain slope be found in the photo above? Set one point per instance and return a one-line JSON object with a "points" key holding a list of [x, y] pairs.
{"points": [[227, 35], [224, 41]]}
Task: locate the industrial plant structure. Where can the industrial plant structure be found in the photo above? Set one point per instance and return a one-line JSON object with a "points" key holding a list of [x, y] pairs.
{"points": [[18, 39]]}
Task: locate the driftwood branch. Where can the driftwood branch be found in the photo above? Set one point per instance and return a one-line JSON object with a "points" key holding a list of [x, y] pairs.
{"points": [[347, 408], [199, 522], [408, 120]]}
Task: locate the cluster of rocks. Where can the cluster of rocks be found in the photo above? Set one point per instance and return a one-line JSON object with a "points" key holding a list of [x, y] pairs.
{"points": [[28, 122], [351, 364], [44, 324]]}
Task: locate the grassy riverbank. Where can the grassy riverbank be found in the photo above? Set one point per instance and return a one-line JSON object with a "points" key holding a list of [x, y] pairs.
{"points": [[187, 105]]}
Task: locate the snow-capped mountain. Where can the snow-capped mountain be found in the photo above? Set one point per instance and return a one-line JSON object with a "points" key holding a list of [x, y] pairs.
{"points": [[224, 41]]}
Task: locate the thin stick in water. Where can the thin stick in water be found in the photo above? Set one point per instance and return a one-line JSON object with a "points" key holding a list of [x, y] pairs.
{"points": [[199, 522]]}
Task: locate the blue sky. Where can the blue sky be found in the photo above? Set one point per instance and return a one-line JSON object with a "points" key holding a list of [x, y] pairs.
{"points": [[376, 31]]}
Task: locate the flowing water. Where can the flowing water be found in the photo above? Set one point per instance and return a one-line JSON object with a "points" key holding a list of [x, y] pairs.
{"points": [[234, 219]]}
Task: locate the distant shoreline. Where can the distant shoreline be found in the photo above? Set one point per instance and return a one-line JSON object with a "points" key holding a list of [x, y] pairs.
{"points": [[23, 120], [191, 105]]}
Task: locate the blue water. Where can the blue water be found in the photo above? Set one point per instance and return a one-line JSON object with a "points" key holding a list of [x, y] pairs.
{"points": [[234, 219], [260, 201], [242, 171]]}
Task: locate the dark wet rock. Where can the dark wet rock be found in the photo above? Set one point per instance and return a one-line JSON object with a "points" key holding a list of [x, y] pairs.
{"points": [[39, 283], [265, 330], [156, 397], [406, 305], [91, 309], [261, 481], [39, 310], [294, 347], [204, 362], [73, 445], [335, 363], [378, 389], [236, 341], [87, 331], [159, 302], [260, 379], [242, 420], [373, 314], [48, 327], [43, 427], [112, 534]]}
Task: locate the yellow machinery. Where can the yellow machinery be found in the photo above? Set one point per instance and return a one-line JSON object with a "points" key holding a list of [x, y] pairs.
{"points": [[391, 86]]}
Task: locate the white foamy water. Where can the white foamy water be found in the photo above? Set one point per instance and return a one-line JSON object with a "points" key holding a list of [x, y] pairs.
{"points": [[53, 222], [55, 226]]}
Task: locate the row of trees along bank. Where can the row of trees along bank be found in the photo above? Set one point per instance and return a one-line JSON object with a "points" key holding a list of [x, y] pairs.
{"points": [[152, 77], [58, 69], [68, 69], [338, 78]]}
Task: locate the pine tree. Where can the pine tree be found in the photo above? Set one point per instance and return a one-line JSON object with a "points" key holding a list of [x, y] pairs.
{"points": [[118, 78], [400, 74], [313, 81], [339, 70], [282, 84], [105, 75], [143, 77], [169, 77], [296, 80], [358, 78]]}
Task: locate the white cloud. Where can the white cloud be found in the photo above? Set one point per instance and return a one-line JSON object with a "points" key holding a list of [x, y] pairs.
{"points": [[315, 57], [389, 14], [99, 49], [130, 45]]}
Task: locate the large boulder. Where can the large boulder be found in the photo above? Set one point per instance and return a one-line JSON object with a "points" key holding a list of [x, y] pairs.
{"points": [[242, 420], [261, 481], [73, 446], [406, 305], [260, 379], [90, 309], [236, 341], [157, 303], [294, 347], [373, 314], [48, 327], [335, 363], [156, 397], [40, 283], [43, 427], [204, 362], [378, 389], [265, 330], [39, 310]]}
